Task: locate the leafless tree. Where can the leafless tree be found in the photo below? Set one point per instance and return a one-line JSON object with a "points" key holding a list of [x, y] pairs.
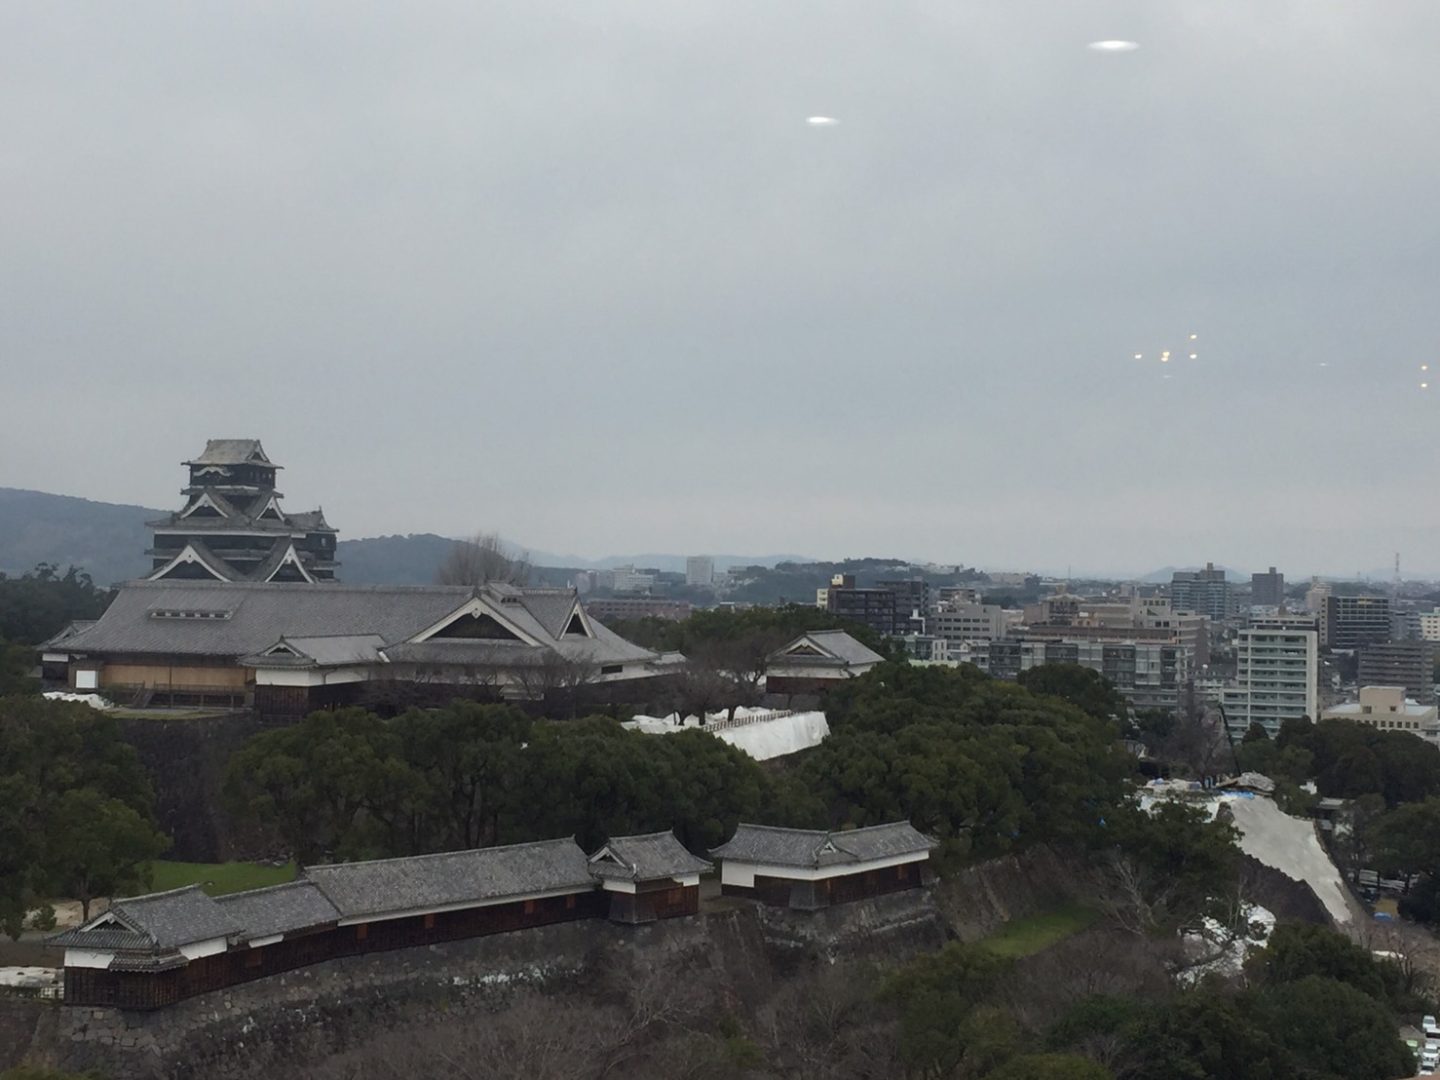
{"points": [[1197, 742], [558, 680], [483, 559], [702, 686], [828, 1025], [655, 1022]]}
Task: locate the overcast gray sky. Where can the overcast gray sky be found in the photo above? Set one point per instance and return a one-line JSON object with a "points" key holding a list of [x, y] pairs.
{"points": [[582, 273]]}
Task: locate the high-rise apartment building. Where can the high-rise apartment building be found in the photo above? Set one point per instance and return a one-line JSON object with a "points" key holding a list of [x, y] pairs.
{"points": [[912, 604], [1202, 592], [1277, 674], [700, 571], [1268, 589], [1407, 664], [1315, 600], [957, 623], [873, 607], [1148, 673], [1350, 622]]}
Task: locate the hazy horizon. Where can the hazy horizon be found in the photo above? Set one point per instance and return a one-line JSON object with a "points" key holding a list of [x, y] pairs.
{"points": [[583, 275]]}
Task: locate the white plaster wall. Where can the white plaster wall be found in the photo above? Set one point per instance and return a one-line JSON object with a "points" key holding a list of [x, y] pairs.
{"points": [[203, 948], [88, 958], [743, 874]]}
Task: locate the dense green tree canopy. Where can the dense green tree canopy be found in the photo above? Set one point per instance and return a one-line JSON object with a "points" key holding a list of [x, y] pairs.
{"points": [[1350, 759], [350, 784], [984, 765], [75, 807], [1407, 839], [1087, 690], [1332, 1030], [1050, 1067], [41, 602], [1298, 951]]}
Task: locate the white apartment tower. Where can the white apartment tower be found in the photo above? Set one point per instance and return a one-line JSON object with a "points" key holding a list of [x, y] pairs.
{"points": [[700, 570], [1277, 675]]}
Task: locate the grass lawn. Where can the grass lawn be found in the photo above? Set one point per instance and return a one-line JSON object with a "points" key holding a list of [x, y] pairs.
{"points": [[217, 879], [1023, 937]]}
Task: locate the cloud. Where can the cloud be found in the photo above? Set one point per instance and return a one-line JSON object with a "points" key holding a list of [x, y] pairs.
{"points": [[581, 272]]}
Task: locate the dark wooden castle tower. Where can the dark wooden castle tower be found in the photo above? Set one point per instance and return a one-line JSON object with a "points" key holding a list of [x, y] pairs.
{"points": [[232, 527]]}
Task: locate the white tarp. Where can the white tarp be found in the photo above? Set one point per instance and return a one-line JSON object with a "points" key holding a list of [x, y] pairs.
{"points": [[95, 701], [762, 735]]}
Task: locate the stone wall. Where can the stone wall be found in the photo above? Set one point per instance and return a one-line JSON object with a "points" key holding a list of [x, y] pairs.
{"points": [[186, 760], [274, 1026], [977, 900]]}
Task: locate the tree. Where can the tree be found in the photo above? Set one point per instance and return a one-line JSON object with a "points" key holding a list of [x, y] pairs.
{"points": [[1204, 1034], [557, 679], [336, 783], [1087, 690], [58, 760], [1050, 1067], [1407, 839], [41, 602], [937, 995], [483, 559], [1299, 951], [1165, 868], [469, 757], [1353, 759], [1331, 1029], [96, 846], [16, 662]]}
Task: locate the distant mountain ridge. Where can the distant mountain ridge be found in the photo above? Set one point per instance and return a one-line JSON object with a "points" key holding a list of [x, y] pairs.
{"points": [[108, 541]]}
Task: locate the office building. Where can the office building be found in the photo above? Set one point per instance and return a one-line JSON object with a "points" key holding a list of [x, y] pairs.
{"points": [[1268, 589], [700, 571], [1350, 622], [957, 623], [1388, 709], [1407, 664]]}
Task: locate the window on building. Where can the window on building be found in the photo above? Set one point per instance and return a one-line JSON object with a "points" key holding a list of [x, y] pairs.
{"points": [[362, 931], [430, 921]]}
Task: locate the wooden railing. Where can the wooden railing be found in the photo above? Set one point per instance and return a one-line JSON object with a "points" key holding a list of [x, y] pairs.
{"points": [[742, 721]]}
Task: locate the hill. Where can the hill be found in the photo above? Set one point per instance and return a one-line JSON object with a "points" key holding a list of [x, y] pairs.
{"points": [[107, 540]]}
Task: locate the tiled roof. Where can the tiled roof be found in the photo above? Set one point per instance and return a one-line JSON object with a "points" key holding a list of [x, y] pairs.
{"points": [[813, 848], [450, 878], [164, 920], [321, 651], [222, 570], [109, 938], [232, 452], [279, 909], [260, 614], [646, 858], [835, 644]]}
